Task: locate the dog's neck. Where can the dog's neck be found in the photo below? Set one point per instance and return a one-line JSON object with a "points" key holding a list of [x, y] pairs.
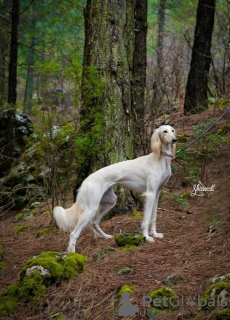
{"points": [[167, 151]]}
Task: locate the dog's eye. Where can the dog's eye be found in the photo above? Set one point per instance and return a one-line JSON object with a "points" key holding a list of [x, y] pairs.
{"points": [[165, 131], [173, 130]]}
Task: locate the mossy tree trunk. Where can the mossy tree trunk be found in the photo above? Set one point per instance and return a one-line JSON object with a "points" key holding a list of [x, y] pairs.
{"points": [[197, 85], [112, 91]]}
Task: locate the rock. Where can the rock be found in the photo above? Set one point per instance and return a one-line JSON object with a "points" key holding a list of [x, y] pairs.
{"points": [[125, 270], [23, 128], [35, 204], [43, 272], [174, 278], [152, 313], [129, 239], [220, 278], [103, 253], [183, 217]]}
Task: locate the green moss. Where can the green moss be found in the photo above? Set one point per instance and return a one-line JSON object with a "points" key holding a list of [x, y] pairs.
{"points": [[128, 247], [125, 288], [181, 138], [212, 293], [171, 303], [2, 264], [129, 239], [21, 228], [60, 265], [125, 270], [45, 230], [38, 273], [7, 305], [22, 216], [136, 214], [186, 195], [224, 129], [223, 314], [32, 288], [103, 253]]}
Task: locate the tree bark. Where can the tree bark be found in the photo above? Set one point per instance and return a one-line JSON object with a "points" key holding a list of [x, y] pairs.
{"points": [[12, 92], [4, 53], [139, 73], [197, 84], [8, 151], [160, 35], [110, 80], [30, 73]]}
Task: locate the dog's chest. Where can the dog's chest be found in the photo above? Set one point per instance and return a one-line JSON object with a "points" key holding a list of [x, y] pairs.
{"points": [[165, 174]]}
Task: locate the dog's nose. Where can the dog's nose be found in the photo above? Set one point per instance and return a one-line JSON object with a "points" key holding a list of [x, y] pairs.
{"points": [[174, 140]]}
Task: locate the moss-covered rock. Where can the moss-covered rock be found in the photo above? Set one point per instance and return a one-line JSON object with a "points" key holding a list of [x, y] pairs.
{"points": [[136, 214], [60, 265], [218, 278], [216, 295], [103, 253], [21, 228], [125, 288], [223, 314], [38, 273], [129, 239], [125, 270], [164, 299], [42, 231], [174, 278], [25, 215]]}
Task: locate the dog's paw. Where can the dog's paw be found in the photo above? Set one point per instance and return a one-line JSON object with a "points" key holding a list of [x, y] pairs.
{"points": [[158, 235], [108, 236], [150, 239]]}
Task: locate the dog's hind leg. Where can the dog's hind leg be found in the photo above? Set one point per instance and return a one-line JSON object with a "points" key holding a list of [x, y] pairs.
{"points": [[90, 197], [108, 201]]}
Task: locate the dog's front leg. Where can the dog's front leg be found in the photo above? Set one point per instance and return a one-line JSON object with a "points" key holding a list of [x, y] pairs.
{"points": [[150, 200], [153, 231]]}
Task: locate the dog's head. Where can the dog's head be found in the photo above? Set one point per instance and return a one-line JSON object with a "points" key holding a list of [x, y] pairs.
{"points": [[164, 135]]}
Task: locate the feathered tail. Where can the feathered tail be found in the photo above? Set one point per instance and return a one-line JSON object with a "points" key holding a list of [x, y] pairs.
{"points": [[67, 219]]}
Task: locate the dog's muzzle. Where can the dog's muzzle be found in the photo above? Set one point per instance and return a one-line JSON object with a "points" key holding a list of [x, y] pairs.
{"points": [[174, 140]]}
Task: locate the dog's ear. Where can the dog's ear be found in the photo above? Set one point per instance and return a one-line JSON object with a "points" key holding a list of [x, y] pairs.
{"points": [[174, 150], [156, 144]]}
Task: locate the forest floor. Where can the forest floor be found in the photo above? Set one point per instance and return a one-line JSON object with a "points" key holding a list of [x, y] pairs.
{"points": [[197, 248]]}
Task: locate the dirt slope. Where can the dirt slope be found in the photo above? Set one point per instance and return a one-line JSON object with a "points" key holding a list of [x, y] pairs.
{"points": [[190, 247]]}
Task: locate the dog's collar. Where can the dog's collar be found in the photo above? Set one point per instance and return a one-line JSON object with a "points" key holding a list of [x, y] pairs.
{"points": [[167, 154]]}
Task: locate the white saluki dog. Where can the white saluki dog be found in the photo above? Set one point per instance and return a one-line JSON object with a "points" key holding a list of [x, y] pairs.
{"points": [[144, 175]]}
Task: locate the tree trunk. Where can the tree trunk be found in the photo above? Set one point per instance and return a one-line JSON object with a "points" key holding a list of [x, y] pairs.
{"points": [[160, 35], [197, 85], [4, 52], [110, 81], [160, 50], [139, 73], [12, 84]]}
